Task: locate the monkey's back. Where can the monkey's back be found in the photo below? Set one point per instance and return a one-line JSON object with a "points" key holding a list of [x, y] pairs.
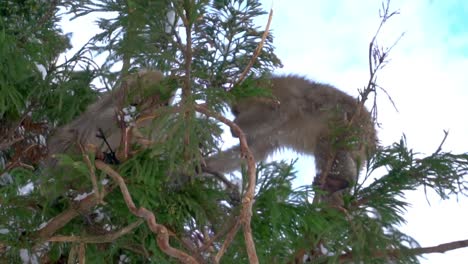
{"points": [[328, 111], [84, 130]]}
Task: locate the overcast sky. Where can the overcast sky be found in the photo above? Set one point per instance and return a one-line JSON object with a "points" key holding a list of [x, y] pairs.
{"points": [[427, 78]]}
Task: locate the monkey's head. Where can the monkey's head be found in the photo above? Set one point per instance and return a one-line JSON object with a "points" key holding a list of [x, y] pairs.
{"points": [[250, 112], [255, 104], [146, 89]]}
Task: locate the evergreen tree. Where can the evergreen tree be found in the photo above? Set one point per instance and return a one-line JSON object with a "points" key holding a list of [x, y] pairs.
{"points": [[157, 205]]}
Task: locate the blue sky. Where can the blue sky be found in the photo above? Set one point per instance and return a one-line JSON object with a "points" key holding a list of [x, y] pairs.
{"points": [[427, 78]]}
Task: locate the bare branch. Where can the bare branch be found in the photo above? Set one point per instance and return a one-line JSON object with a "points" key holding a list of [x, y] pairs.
{"points": [[397, 253], [107, 238], [92, 172], [439, 149], [63, 218]]}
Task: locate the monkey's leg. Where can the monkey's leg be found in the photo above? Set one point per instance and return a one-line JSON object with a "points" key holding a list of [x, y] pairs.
{"points": [[225, 161], [336, 171]]}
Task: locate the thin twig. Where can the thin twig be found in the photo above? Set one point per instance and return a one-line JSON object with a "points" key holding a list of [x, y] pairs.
{"points": [[92, 173], [257, 50], [439, 149], [227, 242]]}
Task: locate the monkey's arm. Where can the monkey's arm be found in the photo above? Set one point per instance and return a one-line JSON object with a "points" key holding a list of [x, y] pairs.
{"points": [[225, 161], [230, 159]]}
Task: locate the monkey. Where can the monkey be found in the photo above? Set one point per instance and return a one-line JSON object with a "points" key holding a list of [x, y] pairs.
{"points": [[99, 126], [310, 118]]}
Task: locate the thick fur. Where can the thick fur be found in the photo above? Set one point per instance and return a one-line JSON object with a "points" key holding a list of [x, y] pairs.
{"points": [[310, 118]]}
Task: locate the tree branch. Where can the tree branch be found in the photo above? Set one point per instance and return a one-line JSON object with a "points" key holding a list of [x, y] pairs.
{"points": [[248, 198], [107, 238], [396, 253], [63, 218], [258, 49]]}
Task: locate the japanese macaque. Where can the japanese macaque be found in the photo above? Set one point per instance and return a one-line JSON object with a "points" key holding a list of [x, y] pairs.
{"points": [[310, 118], [100, 123]]}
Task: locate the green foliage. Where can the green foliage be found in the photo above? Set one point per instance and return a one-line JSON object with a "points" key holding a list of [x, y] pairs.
{"points": [[285, 218], [228, 38], [24, 28], [60, 103], [30, 78], [252, 87], [443, 172], [202, 51], [136, 30]]}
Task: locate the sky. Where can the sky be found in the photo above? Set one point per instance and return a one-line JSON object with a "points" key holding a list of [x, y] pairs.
{"points": [[426, 77]]}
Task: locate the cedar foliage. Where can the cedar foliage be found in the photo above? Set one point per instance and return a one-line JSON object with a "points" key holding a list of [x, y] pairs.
{"points": [[203, 50]]}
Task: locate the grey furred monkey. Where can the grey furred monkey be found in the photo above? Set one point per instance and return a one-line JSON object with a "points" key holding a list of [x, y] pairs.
{"points": [[310, 118], [102, 116]]}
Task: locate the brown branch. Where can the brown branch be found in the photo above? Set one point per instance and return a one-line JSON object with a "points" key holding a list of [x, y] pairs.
{"points": [[258, 49], [229, 238], [161, 231], [5, 145], [187, 87], [441, 248], [107, 238], [82, 253], [398, 253], [248, 198], [63, 218], [228, 226], [377, 57], [72, 255], [92, 172]]}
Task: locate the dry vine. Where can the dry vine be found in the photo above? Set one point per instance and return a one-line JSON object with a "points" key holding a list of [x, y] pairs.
{"points": [[161, 231], [248, 197]]}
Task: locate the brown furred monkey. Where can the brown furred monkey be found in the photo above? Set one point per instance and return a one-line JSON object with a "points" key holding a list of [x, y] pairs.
{"points": [[310, 118], [137, 89]]}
